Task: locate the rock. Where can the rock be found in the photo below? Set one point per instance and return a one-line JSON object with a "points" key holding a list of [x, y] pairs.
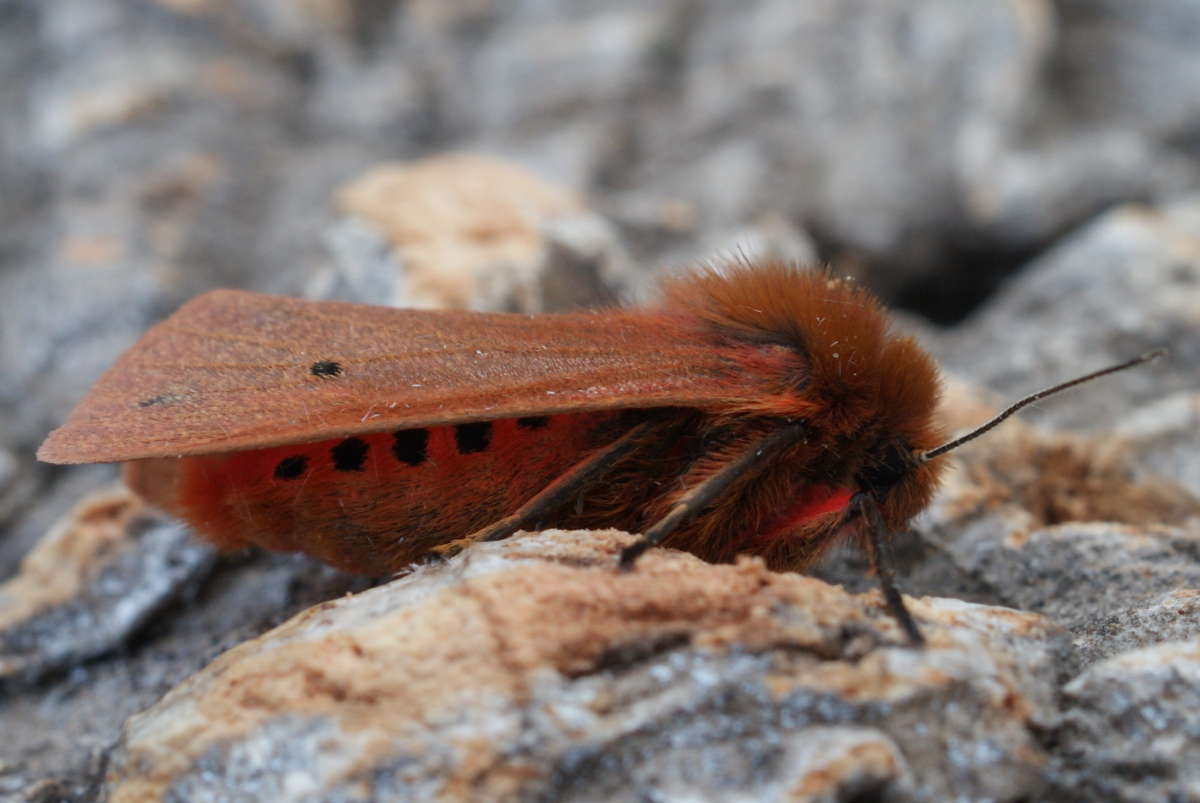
{"points": [[91, 582], [1172, 616], [1032, 479], [58, 732], [17, 486], [1069, 526], [1152, 67], [1125, 284], [364, 268], [51, 503], [762, 240], [469, 231], [1163, 434], [1080, 572], [530, 669], [1131, 730], [1030, 193], [585, 265], [59, 329], [855, 139]]}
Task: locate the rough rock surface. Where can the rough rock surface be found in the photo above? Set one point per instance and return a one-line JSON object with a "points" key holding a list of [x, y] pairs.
{"points": [[1125, 284], [58, 732], [92, 582], [1129, 731], [1164, 434], [468, 231], [1071, 526], [532, 670]]}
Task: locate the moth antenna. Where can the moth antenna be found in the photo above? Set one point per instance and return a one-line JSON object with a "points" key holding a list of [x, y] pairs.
{"points": [[1030, 399]]}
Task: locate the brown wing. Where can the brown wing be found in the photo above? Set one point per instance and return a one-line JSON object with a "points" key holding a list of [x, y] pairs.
{"points": [[235, 370]]}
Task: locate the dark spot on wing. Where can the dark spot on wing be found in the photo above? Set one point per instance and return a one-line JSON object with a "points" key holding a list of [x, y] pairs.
{"points": [[162, 399], [533, 421], [326, 369]]}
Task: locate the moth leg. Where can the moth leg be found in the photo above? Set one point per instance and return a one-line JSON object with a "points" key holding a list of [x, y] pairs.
{"points": [[553, 496], [879, 548], [705, 492]]}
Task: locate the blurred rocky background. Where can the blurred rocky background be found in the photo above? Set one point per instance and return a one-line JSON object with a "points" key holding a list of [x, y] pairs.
{"points": [[1020, 178]]}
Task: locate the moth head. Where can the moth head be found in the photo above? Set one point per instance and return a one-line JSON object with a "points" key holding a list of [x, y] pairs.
{"points": [[897, 480], [901, 474]]}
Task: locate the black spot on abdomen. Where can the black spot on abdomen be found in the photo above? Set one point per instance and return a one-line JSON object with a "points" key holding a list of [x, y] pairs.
{"points": [[411, 446], [350, 454], [289, 468], [473, 437]]}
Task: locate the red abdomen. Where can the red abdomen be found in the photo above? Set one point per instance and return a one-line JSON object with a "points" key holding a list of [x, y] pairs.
{"points": [[373, 503]]}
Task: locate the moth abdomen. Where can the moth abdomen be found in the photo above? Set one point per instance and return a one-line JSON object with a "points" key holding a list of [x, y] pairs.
{"points": [[396, 488]]}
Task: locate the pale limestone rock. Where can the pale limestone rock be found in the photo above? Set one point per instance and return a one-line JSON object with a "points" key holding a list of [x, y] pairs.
{"points": [[532, 669], [467, 230]]}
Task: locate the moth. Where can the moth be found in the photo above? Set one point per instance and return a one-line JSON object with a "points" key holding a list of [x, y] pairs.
{"points": [[761, 409]]}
